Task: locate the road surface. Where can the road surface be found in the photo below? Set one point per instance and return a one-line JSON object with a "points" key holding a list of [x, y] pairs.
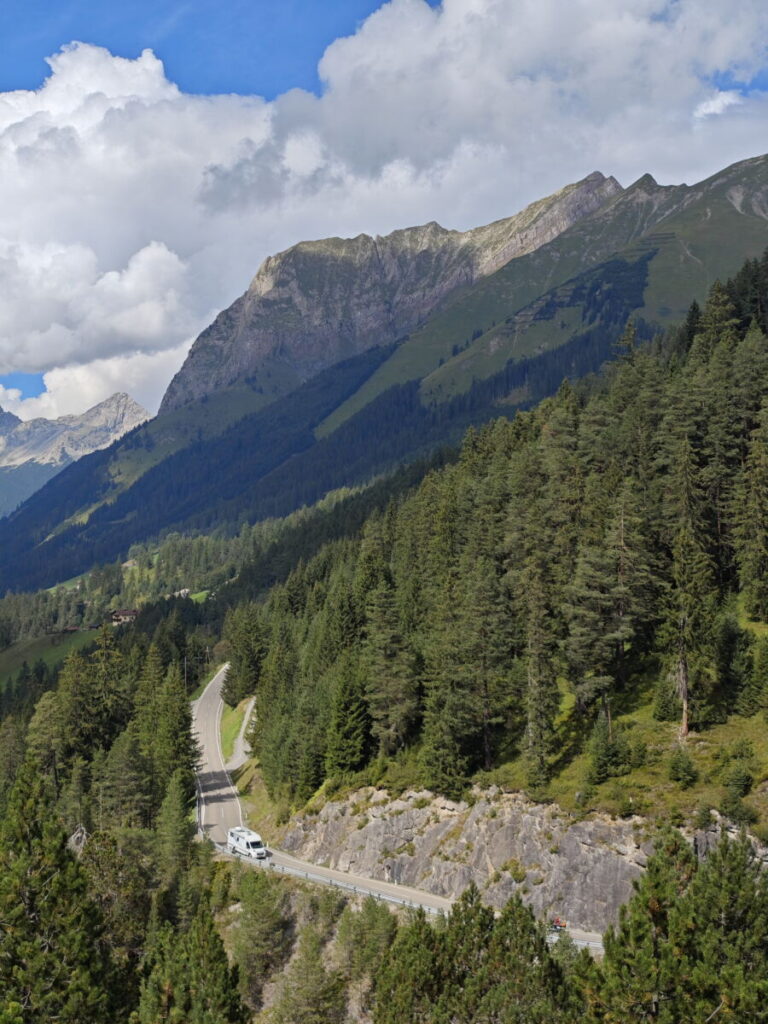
{"points": [[218, 809]]}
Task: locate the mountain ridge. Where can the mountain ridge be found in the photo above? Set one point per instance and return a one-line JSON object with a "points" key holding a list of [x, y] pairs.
{"points": [[32, 451], [321, 301]]}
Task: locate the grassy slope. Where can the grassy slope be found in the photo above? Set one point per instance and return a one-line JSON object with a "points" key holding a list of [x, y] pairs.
{"points": [[692, 246], [162, 437], [231, 723], [50, 649]]}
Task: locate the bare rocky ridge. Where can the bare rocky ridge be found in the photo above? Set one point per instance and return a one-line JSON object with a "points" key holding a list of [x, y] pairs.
{"points": [[320, 302], [69, 437], [32, 451]]}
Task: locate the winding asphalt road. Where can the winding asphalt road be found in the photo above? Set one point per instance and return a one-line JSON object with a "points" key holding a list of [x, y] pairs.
{"points": [[218, 809]]}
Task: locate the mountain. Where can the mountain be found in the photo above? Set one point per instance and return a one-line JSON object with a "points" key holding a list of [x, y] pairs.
{"points": [[346, 359], [320, 302], [33, 451]]}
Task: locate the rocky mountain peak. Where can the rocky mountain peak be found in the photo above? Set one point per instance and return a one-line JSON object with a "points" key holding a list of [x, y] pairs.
{"points": [[320, 302], [8, 422], [56, 442]]}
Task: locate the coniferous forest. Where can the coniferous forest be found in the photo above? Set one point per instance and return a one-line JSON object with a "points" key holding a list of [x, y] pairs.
{"points": [[530, 611]]}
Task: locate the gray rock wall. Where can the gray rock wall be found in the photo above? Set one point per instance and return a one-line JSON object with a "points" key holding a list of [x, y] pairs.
{"points": [[579, 869]]}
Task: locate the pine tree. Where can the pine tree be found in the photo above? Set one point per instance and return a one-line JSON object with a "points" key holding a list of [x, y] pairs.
{"points": [[262, 932], [407, 983], [721, 937], [639, 978], [519, 980], [212, 984], [189, 980], [52, 962], [310, 993]]}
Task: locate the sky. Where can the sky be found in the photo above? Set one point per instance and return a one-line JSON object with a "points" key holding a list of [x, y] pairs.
{"points": [[152, 154]]}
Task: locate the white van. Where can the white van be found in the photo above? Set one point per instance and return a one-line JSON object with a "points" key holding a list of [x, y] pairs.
{"points": [[246, 843]]}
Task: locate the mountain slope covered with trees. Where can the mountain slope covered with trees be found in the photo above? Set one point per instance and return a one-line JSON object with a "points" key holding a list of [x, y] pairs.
{"points": [[611, 540]]}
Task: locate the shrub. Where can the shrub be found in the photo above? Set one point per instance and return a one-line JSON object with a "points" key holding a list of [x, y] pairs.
{"points": [[682, 769], [738, 781]]}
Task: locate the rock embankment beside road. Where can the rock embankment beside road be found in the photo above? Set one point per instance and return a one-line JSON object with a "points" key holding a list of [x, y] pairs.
{"points": [[580, 869]]}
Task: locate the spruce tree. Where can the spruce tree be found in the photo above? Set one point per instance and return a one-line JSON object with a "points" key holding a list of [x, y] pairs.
{"points": [[348, 743], [751, 523], [639, 978], [392, 690], [174, 831], [52, 961]]}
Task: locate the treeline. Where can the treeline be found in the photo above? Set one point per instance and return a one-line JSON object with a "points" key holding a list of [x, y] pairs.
{"points": [[608, 533], [270, 463], [230, 566]]}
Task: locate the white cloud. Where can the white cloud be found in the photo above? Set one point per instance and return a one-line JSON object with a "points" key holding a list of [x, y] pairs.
{"points": [[717, 104], [131, 212], [73, 389]]}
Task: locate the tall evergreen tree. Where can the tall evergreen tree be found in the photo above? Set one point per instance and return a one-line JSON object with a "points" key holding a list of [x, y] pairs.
{"points": [[639, 977], [53, 965], [348, 744]]}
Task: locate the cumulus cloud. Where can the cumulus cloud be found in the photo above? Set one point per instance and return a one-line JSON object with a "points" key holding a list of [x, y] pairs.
{"points": [[717, 104], [130, 213], [73, 389]]}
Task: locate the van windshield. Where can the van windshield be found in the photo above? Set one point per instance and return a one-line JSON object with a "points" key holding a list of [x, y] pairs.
{"points": [[255, 845]]}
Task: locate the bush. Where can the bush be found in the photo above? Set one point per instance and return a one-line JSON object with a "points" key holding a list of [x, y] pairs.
{"points": [[738, 781], [734, 808], [682, 769], [703, 818]]}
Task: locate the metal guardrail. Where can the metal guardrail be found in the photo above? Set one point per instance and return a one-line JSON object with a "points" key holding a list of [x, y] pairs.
{"points": [[335, 883]]}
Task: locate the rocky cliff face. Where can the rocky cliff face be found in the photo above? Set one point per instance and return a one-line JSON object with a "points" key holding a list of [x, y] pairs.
{"points": [[320, 302], [581, 869], [32, 451]]}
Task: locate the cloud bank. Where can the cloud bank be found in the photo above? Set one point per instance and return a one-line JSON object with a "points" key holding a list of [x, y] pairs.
{"points": [[130, 213]]}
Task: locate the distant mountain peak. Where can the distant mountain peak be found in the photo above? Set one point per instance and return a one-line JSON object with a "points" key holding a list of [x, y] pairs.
{"points": [[8, 422], [53, 444]]}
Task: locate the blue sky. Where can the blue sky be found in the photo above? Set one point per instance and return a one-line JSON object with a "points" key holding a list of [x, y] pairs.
{"points": [[208, 46], [148, 171], [262, 47]]}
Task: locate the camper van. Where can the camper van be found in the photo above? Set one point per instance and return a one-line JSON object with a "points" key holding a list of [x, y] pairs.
{"points": [[246, 843]]}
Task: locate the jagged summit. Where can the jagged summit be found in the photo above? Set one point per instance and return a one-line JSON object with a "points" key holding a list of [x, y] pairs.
{"points": [[323, 301], [32, 451]]}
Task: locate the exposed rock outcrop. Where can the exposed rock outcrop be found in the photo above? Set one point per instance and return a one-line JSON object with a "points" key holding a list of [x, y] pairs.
{"points": [[320, 302], [581, 869], [32, 451]]}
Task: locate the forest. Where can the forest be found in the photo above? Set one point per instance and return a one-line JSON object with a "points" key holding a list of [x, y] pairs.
{"points": [[612, 536], [270, 463], [601, 556]]}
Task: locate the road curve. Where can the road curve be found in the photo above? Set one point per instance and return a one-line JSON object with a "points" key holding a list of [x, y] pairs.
{"points": [[218, 809], [218, 805]]}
